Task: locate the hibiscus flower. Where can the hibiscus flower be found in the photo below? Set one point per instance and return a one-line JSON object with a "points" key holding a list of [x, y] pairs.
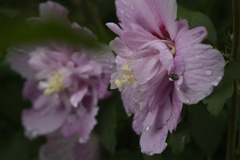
{"points": [[64, 81], [161, 64]]}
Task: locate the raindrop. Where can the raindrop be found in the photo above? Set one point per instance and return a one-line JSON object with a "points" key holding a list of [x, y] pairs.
{"points": [[208, 72], [147, 128], [148, 79]]}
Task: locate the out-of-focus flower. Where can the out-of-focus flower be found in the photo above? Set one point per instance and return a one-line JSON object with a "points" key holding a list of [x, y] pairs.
{"points": [[64, 82], [161, 65], [61, 148]]}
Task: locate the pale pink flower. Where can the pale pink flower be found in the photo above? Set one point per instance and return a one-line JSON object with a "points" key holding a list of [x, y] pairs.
{"points": [[161, 65], [64, 82]]}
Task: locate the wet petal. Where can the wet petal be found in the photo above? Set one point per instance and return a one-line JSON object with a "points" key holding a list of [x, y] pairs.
{"points": [[137, 12], [204, 68], [165, 14]]}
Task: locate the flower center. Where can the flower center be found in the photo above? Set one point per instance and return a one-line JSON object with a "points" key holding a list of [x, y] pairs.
{"points": [[127, 78], [55, 84]]}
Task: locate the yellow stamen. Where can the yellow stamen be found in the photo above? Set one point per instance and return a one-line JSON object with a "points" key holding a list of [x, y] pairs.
{"points": [[127, 78], [55, 84]]}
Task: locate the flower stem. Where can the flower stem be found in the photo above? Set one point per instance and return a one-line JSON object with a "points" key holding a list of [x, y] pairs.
{"points": [[233, 115]]}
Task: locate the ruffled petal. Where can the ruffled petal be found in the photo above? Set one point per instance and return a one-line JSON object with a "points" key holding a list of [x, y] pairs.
{"points": [[120, 48], [136, 37], [18, 59], [115, 28], [136, 12], [30, 90], [54, 10], [78, 96], [157, 124], [82, 123], [165, 14], [187, 38], [203, 69], [44, 120]]}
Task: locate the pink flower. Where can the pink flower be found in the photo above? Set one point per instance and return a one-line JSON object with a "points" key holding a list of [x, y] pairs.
{"points": [[64, 82], [160, 65]]}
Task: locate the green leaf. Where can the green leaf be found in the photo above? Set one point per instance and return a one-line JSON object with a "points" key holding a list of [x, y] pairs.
{"points": [[127, 154], [215, 102], [207, 131], [106, 126], [154, 157], [179, 138], [20, 148], [16, 32], [197, 19]]}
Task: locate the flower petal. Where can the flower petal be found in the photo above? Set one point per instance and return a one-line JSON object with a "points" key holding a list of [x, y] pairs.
{"points": [[81, 123], [18, 60], [44, 120], [157, 125], [54, 10], [186, 38], [78, 96], [165, 14], [136, 12], [204, 68]]}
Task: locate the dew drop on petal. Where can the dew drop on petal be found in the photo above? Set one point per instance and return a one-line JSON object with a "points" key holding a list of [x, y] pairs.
{"points": [[147, 128], [208, 72]]}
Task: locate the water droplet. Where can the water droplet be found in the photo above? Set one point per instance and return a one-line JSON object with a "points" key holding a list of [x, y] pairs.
{"points": [[147, 128], [178, 89], [132, 8], [214, 83], [208, 72], [148, 79]]}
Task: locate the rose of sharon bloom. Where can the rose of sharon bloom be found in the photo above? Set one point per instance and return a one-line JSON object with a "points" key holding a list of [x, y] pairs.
{"points": [[160, 65], [64, 83]]}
